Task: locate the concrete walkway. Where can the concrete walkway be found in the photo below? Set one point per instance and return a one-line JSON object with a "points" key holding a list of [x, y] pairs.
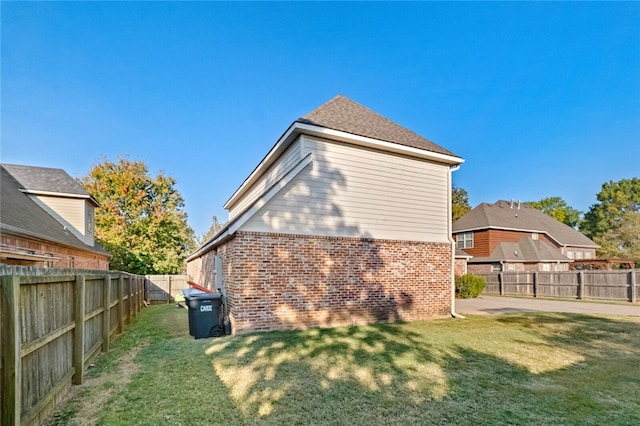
{"points": [[494, 305]]}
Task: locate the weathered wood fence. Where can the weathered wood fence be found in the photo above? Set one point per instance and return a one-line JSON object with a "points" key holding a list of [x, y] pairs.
{"points": [[53, 323], [622, 285], [164, 288]]}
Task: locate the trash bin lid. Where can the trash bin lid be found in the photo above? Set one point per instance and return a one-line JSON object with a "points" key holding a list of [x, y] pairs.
{"points": [[191, 292], [206, 296]]}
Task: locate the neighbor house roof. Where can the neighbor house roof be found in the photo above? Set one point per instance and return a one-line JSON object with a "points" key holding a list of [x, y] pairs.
{"points": [[47, 181], [516, 216], [525, 250], [19, 214], [343, 114]]}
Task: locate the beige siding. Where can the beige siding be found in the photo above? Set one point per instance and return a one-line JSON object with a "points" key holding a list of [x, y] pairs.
{"points": [[286, 162], [70, 212], [356, 192]]}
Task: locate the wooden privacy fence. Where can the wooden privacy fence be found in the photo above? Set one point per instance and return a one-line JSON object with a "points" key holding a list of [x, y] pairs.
{"points": [[164, 288], [620, 285], [54, 322]]}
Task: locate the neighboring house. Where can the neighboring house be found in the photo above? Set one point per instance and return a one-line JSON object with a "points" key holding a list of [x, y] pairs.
{"points": [[47, 220], [510, 236], [345, 221]]}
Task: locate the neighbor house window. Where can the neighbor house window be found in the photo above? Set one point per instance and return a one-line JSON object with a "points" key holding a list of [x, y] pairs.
{"points": [[465, 240], [546, 267], [570, 254], [587, 255], [496, 267], [578, 254], [534, 235], [510, 267]]}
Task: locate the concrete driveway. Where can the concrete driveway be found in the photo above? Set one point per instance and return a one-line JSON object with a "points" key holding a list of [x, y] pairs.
{"points": [[494, 305]]}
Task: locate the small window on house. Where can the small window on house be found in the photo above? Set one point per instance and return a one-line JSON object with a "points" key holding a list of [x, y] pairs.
{"points": [[578, 254], [496, 267], [587, 255], [465, 240], [534, 235], [510, 267], [570, 254], [71, 263], [546, 267]]}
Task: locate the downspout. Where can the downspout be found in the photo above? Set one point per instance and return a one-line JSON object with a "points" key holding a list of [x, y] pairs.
{"points": [[454, 314]]}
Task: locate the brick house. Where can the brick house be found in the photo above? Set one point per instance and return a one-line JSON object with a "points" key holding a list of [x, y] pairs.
{"points": [[513, 237], [47, 220], [344, 221]]}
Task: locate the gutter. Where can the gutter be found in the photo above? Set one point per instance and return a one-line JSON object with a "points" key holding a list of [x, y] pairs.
{"points": [[454, 314]]}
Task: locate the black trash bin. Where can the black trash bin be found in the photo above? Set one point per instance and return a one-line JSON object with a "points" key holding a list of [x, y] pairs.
{"points": [[204, 314]]}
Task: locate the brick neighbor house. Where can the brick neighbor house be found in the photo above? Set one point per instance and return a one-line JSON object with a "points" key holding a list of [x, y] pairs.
{"points": [[345, 221], [513, 237], [47, 220]]}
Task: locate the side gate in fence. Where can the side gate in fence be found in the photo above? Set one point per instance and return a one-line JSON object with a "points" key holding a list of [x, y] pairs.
{"points": [[53, 323], [622, 285]]}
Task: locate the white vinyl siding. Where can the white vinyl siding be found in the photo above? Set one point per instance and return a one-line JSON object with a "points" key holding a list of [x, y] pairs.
{"points": [[286, 162], [358, 192]]}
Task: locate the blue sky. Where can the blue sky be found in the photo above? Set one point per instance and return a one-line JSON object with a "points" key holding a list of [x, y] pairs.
{"points": [[540, 99]]}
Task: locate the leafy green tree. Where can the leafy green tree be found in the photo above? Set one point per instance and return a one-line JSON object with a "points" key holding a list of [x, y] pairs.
{"points": [[622, 241], [613, 221], [213, 230], [459, 203], [141, 220], [558, 209]]}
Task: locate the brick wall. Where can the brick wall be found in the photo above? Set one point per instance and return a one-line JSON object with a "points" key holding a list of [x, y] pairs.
{"points": [[279, 281], [460, 266], [63, 257]]}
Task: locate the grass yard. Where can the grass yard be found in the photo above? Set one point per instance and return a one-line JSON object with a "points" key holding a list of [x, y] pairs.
{"points": [[516, 369]]}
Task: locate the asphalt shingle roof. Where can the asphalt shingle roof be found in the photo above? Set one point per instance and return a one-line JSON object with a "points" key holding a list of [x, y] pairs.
{"points": [[343, 114], [525, 250], [518, 216], [45, 179]]}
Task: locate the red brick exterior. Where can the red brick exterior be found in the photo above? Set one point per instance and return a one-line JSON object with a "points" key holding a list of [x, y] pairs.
{"points": [[279, 281], [63, 257]]}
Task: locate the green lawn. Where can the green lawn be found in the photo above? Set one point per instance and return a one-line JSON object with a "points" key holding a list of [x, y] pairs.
{"points": [[512, 369]]}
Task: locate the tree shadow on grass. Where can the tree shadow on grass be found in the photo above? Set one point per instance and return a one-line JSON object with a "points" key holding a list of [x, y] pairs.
{"points": [[522, 369]]}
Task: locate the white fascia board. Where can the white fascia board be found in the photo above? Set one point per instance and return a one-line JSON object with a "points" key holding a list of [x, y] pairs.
{"points": [[272, 192], [235, 225], [61, 195], [326, 133], [309, 129], [283, 143]]}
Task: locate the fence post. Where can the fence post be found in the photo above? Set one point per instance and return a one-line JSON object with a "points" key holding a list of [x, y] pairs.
{"points": [[501, 283], [12, 365], [78, 338], [169, 293], [581, 284], [535, 284], [634, 296], [106, 315], [120, 304]]}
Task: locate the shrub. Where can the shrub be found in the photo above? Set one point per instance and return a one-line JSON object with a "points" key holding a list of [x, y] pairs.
{"points": [[469, 286]]}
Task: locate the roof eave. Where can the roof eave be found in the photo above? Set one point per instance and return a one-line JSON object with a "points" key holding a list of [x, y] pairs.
{"points": [[298, 128], [61, 195]]}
